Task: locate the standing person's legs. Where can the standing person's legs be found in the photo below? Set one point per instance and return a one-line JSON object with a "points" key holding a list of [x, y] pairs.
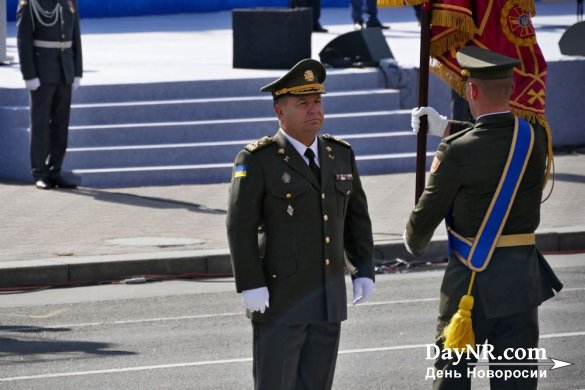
{"points": [[294, 357], [356, 11], [319, 356], [516, 332], [41, 101], [316, 4], [372, 11], [277, 350], [59, 127]]}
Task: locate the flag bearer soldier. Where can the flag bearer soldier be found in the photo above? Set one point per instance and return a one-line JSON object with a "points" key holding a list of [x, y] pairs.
{"points": [[49, 47], [486, 181], [296, 209]]}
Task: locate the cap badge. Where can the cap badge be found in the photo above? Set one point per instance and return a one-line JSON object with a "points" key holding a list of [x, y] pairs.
{"points": [[309, 76]]}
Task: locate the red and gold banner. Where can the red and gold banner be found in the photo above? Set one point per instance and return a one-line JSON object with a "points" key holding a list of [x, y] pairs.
{"points": [[503, 26]]}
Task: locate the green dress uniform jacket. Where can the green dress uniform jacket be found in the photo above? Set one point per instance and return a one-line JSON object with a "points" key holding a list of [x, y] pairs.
{"points": [[289, 232], [51, 66], [472, 161]]}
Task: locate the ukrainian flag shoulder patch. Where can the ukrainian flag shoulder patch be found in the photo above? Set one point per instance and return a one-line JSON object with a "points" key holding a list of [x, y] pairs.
{"points": [[240, 170]]}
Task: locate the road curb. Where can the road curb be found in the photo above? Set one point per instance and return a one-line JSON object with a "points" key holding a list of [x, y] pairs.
{"points": [[215, 262]]}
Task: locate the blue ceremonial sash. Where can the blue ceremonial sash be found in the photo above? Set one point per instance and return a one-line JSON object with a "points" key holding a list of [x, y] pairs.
{"points": [[476, 254]]}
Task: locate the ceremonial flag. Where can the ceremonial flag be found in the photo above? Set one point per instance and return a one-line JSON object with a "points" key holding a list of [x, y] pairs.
{"points": [[503, 26]]}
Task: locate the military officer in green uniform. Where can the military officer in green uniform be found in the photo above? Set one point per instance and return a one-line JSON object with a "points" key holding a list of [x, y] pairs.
{"points": [[49, 48], [464, 178], [296, 211]]}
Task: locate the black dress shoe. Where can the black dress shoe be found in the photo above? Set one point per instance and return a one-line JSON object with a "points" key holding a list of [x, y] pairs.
{"points": [[318, 28], [43, 184], [59, 181]]}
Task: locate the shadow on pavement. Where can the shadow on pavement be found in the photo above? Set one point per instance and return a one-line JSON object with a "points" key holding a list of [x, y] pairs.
{"points": [[145, 201]]}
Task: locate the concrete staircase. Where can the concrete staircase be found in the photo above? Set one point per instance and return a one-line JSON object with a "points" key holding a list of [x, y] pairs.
{"points": [[190, 132]]}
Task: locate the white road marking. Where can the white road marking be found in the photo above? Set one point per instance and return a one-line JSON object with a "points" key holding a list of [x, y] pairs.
{"points": [[231, 361], [204, 316]]}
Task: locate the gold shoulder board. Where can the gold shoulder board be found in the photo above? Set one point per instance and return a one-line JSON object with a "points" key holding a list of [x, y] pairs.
{"points": [[340, 141], [259, 144]]}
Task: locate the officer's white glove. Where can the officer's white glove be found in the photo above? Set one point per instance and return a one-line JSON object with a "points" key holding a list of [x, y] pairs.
{"points": [[437, 123], [255, 299], [76, 82], [32, 84], [365, 286]]}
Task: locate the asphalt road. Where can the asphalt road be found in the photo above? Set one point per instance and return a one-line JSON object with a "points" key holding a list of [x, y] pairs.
{"points": [[193, 335]]}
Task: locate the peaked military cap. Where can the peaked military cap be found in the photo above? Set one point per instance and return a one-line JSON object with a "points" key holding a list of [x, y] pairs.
{"points": [[305, 78], [485, 64]]}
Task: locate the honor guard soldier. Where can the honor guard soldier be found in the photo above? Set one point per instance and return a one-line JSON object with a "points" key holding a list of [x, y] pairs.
{"points": [[49, 47], [296, 211], [486, 181]]}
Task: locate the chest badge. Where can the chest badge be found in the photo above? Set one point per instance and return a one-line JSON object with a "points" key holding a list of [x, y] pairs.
{"points": [[286, 178]]}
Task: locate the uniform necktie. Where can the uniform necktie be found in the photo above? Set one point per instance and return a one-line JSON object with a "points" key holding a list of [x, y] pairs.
{"points": [[311, 156]]}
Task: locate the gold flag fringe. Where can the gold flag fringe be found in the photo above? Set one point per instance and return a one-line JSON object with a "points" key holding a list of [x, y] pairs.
{"points": [[465, 31], [399, 3]]}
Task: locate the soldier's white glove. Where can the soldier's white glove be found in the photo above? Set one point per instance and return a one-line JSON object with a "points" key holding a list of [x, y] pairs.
{"points": [[32, 84], [365, 286], [255, 299], [437, 123], [76, 82]]}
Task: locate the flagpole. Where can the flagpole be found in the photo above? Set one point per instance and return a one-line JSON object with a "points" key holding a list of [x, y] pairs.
{"points": [[423, 97]]}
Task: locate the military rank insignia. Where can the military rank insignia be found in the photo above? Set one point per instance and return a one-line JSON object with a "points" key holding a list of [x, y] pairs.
{"points": [[240, 171]]}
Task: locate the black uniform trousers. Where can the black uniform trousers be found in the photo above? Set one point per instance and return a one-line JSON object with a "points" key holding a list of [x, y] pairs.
{"points": [[315, 4], [295, 357], [518, 330], [50, 107]]}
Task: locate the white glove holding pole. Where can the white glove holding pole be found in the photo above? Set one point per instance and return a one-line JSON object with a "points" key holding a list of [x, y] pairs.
{"points": [[255, 299], [362, 290], [76, 82], [437, 122], [32, 84]]}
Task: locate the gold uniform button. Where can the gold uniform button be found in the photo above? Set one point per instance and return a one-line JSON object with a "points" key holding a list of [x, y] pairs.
{"points": [[326, 261], [348, 192], [289, 195], [274, 276], [327, 240], [325, 217], [322, 196]]}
